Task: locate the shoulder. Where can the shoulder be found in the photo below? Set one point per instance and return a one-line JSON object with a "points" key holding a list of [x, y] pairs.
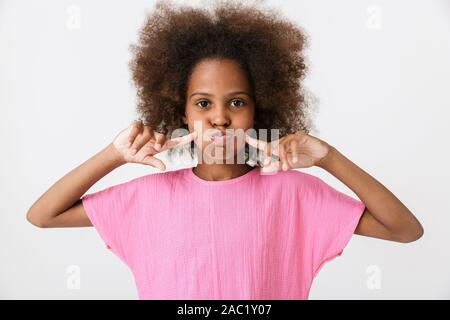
{"points": [[146, 182], [158, 178], [293, 178]]}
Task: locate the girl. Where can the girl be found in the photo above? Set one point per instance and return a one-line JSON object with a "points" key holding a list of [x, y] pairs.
{"points": [[225, 229]]}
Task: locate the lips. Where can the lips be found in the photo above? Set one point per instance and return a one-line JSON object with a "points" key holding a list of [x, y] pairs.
{"points": [[221, 137], [217, 133]]}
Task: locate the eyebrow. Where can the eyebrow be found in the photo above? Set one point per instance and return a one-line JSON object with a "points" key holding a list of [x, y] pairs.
{"points": [[211, 95]]}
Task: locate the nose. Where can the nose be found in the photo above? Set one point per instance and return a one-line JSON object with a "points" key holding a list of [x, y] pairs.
{"points": [[220, 117]]}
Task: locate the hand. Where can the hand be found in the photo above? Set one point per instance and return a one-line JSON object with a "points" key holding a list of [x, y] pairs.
{"points": [[138, 144], [296, 150]]}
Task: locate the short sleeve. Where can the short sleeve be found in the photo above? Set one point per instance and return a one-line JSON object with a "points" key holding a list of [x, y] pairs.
{"points": [[335, 217], [111, 212]]}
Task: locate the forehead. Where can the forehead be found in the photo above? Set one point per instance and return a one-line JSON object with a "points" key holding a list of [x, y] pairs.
{"points": [[218, 75]]}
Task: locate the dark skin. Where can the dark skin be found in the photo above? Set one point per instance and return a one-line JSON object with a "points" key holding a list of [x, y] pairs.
{"points": [[210, 99], [385, 216]]}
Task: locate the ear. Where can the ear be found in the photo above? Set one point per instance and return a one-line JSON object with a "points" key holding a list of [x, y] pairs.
{"points": [[184, 119]]}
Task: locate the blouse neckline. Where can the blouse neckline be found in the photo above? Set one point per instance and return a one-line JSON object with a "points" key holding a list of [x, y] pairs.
{"points": [[192, 176]]}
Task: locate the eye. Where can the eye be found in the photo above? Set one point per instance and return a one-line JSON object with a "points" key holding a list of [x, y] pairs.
{"points": [[201, 102], [206, 103], [238, 101]]}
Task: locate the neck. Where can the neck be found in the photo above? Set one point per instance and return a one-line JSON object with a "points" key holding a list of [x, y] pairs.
{"points": [[220, 172]]}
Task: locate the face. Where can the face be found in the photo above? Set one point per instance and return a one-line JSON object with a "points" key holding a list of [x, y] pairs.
{"points": [[218, 98]]}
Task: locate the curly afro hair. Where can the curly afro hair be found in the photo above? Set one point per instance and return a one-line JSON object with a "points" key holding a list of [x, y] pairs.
{"points": [[174, 39]]}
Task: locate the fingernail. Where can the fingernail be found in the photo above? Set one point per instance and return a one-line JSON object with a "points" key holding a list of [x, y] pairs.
{"points": [[133, 152], [157, 146], [267, 161], [294, 159], [129, 144], [285, 166]]}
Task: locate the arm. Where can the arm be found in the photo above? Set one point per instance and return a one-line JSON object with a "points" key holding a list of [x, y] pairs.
{"points": [[385, 216], [60, 205]]}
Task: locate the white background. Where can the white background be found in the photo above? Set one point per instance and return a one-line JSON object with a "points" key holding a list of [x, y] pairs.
{"points": [[381, 70]]}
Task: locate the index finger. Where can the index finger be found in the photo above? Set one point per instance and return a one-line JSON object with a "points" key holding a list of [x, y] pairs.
{"points": [[261, 145], [179, 141], [258, 144]]}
